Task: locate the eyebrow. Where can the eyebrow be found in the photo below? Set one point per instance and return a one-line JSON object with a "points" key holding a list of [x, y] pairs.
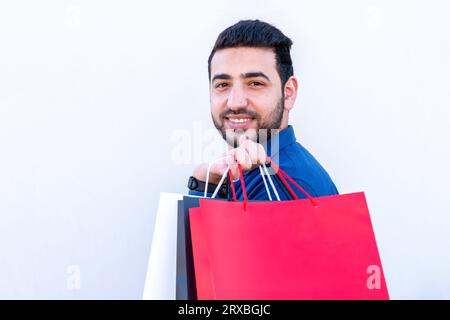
{"points": [[254, 74]]}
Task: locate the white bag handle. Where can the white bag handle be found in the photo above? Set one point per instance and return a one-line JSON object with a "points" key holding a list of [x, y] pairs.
{"points": [[207, 176], [262, 169], [270, 181]]}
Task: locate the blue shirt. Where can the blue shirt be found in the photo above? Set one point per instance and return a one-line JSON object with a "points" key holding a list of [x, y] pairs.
{"points": [[293, 159]]}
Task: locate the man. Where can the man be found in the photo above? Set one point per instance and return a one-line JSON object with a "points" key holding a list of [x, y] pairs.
{"points": [[252, 91]]}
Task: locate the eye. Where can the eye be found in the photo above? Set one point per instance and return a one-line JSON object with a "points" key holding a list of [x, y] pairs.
{"points": [[256, 84], [221, 85]]}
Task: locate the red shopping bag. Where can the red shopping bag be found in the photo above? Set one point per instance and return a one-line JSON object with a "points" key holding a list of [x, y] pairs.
{"points": [[315, 248]]}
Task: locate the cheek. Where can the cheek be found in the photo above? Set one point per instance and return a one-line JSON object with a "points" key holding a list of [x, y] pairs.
{"points": [[218, 105], [216, 98], [265, 104]]}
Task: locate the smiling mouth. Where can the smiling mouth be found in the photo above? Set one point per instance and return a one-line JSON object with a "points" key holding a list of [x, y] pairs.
{"points": [[236, 120]]}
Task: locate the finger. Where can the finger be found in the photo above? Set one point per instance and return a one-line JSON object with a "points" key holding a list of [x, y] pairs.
{"points": [[231, 157], [262, 155], [256, 151], [243, 158], [234, 171], [219, 166], [251, 149], [242, 139], [218, 169]]}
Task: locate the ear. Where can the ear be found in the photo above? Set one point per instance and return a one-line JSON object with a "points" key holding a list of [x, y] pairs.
{"points": [[290, 93]]}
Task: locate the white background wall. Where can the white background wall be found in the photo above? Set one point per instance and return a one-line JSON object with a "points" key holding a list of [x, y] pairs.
{"points": [[91, 93]]}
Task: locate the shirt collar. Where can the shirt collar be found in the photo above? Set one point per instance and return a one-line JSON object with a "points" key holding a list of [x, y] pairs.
{"points": [[280, 141]]}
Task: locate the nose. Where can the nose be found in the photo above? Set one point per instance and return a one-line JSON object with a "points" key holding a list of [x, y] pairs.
{"points": [[237, 99]]}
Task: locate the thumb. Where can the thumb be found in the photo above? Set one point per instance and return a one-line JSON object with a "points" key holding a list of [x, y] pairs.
{"points": [[242, 139]]}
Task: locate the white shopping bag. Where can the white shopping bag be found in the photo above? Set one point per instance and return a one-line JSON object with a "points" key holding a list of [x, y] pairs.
{"points": [[160, 282]]}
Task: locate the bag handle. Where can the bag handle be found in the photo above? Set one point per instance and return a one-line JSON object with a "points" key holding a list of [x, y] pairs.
{"points": [[281, 174], [228, 170], [207, 178], [233, 190], [284, 175], [264, 173]]}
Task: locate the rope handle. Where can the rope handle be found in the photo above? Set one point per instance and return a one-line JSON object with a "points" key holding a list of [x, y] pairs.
{"points": [[281, 174], [284, 175]]}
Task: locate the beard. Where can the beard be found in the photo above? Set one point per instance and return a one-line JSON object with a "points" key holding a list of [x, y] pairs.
{"points": [[260, 134]]}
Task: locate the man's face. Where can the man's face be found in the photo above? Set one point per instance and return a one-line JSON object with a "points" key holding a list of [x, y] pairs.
{"points": [[245, 92]]}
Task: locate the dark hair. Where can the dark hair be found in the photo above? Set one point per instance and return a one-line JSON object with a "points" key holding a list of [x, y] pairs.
{"points": [[259, 34]]}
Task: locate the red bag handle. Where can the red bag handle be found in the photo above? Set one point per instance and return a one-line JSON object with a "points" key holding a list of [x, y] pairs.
{"points": [[281, 174], [233, 190]]}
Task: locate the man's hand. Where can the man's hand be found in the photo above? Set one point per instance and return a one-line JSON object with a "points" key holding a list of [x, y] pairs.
{"points": [[249, 154]]}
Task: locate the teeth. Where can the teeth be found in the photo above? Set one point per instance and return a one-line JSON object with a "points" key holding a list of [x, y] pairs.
{"points": [[239, 120]]}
